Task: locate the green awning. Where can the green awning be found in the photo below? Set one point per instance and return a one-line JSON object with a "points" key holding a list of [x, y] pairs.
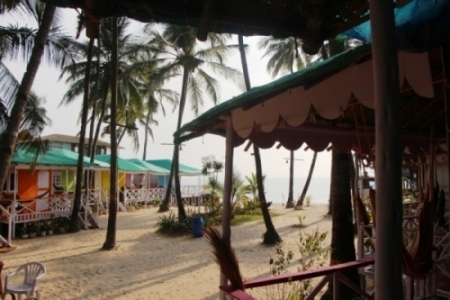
{"points": [[73, 157], [153, 169], [122, 164], [306, 77], [167, 163], [61, 158]]}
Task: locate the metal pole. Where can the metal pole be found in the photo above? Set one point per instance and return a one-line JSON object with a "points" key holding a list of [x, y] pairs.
{"points": [[388, 275], [228, 186]]}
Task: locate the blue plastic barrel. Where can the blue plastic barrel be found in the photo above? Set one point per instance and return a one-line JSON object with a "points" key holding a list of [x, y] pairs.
{"points": [[197, 226]]}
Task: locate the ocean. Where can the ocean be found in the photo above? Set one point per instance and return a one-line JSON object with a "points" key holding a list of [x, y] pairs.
{"points": [[277, 188]]}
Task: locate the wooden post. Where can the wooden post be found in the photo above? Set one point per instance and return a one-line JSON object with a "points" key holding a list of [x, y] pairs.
{"points": [[388, 275], [228, 186], [445, 69]]}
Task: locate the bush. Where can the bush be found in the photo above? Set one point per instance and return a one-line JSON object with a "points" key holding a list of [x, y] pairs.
{"points": [[249, 208], [157, 202], [171, 224], [312, 256]]}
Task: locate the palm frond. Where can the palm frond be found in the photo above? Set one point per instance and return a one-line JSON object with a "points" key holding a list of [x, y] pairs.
{"points": [[8, 86], [225, 257], [211, 84], [16, 42], [195, 94]]}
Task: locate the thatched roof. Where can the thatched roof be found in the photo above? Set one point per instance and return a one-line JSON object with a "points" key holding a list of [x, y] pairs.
{"points": [[311, 20]]}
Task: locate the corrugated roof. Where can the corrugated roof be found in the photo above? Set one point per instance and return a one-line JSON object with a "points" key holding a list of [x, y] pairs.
{"points": [[167, 163], [61, 158], [151, 168], [122, 164]]}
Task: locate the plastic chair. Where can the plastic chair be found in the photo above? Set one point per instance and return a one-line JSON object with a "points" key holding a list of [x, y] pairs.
{"points": [[32, 272]]}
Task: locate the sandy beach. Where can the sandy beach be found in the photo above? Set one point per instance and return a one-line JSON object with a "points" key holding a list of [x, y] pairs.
{"points": [[148, 265]]}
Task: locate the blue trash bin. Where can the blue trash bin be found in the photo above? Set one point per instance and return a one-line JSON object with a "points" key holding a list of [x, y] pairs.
{"points": [[197, 226]]}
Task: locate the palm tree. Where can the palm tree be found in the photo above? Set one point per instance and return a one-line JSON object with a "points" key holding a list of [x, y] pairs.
{"points": [[211, 168], [180, 54], [130, 97], [342, 240], [308, 180], [285, 57], [240, 190], [271, 236], [342, 244], [155, 94], [9, 139], [33, 123], [252, 186], [110, 241], [35, 116]]}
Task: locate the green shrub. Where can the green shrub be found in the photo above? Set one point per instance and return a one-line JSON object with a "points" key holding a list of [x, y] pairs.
{"points": [[171, 224], [157, 202], [312, 256], [251, 207]]}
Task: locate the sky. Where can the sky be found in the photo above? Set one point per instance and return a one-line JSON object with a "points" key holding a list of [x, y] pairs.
{"points": [[274, 161]]}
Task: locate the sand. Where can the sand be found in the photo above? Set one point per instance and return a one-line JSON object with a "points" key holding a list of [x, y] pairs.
{"points": [[147, 265]]}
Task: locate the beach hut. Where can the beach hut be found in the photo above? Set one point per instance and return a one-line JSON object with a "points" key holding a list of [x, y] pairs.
{"points": [[128, 194], [148, 182], [41, 187], [192, 193]]}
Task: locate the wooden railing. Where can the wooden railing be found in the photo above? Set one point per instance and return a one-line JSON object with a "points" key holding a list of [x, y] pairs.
{"points": [[332, 273]]}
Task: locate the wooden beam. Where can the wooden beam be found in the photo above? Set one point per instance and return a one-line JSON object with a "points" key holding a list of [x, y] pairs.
{"points": [[422, 111], [429, 121], [205, 22]]}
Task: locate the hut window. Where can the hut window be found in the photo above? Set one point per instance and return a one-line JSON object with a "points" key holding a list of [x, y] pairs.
{"points": [[56, 178], [10, 183]]}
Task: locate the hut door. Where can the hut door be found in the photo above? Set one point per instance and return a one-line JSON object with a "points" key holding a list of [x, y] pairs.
{"points": [[97, 180], [43, 190]]}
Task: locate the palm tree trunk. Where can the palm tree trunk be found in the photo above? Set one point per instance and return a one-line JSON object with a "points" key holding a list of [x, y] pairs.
{"points": [[9, 139], [110, 241], [100, 120], [124, 129], [342, 240], [290, 201], [330, 200], [175, 168], [308, 180], [91, 131], [122, 134], [74, 226], [271, 236], [147, 120], [334, 48]]}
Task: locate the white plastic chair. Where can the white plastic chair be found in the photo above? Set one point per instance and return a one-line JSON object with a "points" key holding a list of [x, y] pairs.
{"points": [[32, 272]]}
